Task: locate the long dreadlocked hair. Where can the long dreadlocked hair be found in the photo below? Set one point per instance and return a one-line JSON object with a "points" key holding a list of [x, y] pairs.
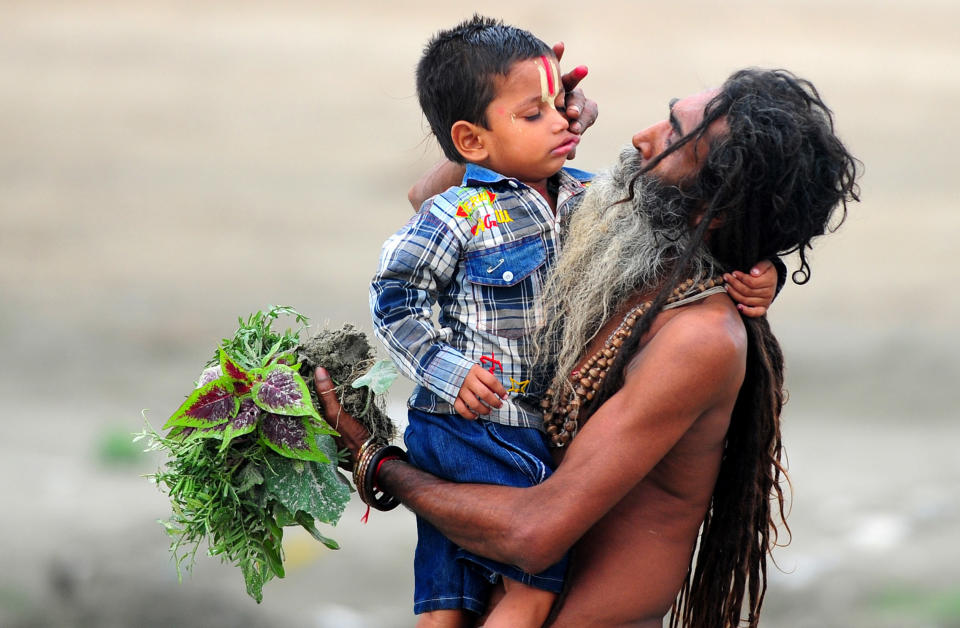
{"points": [[774, 180]]}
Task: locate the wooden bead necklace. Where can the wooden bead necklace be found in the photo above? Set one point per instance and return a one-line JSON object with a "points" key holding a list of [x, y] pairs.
{"points": [[561, 421]]}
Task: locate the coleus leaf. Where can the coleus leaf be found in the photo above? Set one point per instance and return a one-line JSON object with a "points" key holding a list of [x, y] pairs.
{"points": [[280, 389], [313, 488], [248, 416], [181, 432], [289, 359], [209, 374], [235, 372], [379, 378], [291, 437], [211, 404]]}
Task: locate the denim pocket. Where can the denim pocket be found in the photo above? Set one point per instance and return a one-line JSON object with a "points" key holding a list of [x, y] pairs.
{"points": [[506, 284], [525, 448]]}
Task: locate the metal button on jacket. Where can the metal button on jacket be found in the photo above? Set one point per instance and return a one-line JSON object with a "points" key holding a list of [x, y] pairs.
{"points": [[508, 276]]}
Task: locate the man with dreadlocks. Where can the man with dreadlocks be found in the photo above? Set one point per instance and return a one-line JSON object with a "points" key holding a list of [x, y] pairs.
{"points": [[669, 490]]}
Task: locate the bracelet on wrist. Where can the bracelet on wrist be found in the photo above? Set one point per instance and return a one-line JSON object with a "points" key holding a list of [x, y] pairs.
{"points": [[369, 459]]}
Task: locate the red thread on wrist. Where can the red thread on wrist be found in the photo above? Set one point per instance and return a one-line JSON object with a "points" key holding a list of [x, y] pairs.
{"points": [[366, 515], [376, 473]]}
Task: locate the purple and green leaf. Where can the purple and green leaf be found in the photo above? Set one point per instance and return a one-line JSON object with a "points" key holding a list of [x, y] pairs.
{"points": [[211, 404], [245, 422], [290, 359], [291, 436], [280, 389], [231, 369]]}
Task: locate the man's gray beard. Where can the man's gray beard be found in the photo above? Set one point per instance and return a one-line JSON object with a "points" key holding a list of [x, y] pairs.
{"points": [[612, 251]]}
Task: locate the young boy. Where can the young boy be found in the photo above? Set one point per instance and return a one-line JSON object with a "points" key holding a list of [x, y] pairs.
{"points": [[480, 252]]}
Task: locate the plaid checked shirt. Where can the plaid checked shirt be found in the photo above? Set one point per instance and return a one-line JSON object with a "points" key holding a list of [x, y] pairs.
{"points": [[481, 253]]}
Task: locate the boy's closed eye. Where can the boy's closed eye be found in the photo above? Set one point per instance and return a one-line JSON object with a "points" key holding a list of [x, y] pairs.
{"points": [[559, 104]]}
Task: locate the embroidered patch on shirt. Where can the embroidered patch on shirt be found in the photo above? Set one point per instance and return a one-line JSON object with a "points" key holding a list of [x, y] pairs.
{"points": [[481, 200], [473, 207], [518, 387], [494, 362], [499, 217]]}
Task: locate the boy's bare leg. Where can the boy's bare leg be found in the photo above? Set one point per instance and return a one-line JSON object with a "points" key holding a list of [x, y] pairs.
{"points": [[445, 619], [521, 606]]}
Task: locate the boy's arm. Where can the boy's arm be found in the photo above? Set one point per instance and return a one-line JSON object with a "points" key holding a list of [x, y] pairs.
{"points": [[416, 264]]}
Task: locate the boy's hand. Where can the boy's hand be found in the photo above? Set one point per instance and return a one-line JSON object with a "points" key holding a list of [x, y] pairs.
{"points": [[580, 110], [754, 292], [480, 385]]}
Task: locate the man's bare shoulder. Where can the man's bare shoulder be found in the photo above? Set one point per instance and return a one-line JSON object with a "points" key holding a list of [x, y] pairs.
{"points": [[710, 330], [697, 352]]}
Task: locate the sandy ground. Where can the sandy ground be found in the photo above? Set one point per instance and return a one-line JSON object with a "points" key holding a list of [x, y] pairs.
{"points": [[168, 166]]}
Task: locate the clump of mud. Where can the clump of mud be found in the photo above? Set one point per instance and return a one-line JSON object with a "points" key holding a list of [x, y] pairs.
{"points": [[346, 354]]}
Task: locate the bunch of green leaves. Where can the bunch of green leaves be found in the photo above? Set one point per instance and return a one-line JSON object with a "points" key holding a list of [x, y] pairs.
{"points": [[257, 388], [255, 341], [248, 454]]}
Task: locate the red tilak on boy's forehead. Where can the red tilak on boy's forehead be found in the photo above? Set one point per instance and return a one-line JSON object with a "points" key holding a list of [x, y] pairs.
{"points": [[549, 79]]}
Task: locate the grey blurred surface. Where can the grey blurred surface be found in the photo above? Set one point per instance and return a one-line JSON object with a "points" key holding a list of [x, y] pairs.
{"points": [[168, 166]]}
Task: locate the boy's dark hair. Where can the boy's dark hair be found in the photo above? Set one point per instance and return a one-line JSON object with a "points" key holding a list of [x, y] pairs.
{"points": [[455, 74]]}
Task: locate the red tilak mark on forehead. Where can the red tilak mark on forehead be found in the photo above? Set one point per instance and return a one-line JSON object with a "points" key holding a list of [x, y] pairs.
{"points": [[549, 71]]}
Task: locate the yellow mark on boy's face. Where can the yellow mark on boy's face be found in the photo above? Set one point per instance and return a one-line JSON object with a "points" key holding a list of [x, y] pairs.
{"points": [[549, 79]]}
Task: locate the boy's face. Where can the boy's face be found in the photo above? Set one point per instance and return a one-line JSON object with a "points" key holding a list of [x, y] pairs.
{"points": [[527, 137]]}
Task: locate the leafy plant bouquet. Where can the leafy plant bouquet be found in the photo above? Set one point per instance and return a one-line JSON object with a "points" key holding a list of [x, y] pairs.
{"points": [[248, 453]]}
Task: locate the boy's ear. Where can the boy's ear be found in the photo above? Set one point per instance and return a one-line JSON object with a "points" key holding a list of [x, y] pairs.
{"points": [[468, 140]]}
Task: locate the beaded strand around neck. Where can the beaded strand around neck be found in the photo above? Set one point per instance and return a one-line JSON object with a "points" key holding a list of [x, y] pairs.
{"points": [[561, 421]]}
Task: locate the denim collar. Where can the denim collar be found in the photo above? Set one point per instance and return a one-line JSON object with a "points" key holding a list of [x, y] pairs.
{"points": [[483, 176], [478, 175]]}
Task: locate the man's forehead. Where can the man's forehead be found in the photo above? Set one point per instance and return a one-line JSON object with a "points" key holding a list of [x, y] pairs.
{"points": [[688, 112], [693, 104]]}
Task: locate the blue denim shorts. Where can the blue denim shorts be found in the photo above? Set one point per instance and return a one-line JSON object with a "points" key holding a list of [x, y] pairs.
{"points": [[454, 448]]}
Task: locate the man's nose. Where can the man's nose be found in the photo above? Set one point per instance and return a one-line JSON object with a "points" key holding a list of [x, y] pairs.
{"points": [[645, 140]]}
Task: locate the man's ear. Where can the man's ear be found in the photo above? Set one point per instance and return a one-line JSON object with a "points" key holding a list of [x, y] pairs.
{"points": [[468, 140]]}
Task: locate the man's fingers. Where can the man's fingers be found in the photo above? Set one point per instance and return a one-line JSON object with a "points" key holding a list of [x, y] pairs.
{"points": [[571, 80], [558, 49], [325, 391], [352, 433], [587, 111]]}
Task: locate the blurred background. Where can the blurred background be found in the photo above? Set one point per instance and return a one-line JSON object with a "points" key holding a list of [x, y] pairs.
{"points": [[166, 167]]}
